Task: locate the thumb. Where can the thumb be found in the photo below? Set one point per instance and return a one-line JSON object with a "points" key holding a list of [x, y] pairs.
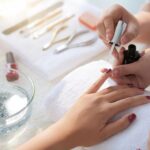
{"points": [[123, 70]]}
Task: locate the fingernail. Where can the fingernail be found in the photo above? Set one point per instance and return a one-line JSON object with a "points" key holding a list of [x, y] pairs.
{"points": [[124, 40], [132, 117], [104, 70], [142, 89], [130, 85], [108, 37], [148, 97], [109, 70]]}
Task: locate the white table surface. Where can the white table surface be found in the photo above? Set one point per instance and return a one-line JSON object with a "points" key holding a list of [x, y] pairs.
{"points": [[43, 87]]}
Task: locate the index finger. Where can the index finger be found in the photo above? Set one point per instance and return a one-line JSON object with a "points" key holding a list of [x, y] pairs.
{"points": [[109, 26], [95, 86]]}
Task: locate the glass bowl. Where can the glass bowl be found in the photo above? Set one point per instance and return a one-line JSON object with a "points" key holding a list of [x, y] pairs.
{"points": [[16, 96]]}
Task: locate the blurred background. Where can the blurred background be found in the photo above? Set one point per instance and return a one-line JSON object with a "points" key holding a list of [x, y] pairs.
{"points": [[14, 6], [132, 5]]}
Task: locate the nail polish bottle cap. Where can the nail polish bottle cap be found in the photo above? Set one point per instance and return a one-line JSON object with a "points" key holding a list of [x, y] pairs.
{"points": [[132, 50], [10, 57], [125, 60]]}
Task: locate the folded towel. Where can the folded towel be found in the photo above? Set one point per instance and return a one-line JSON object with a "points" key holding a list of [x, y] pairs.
{"points": [[73, 85]]}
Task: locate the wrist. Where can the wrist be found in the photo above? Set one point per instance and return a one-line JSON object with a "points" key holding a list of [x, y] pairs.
{"points": [[62, 136], [56, 137]]}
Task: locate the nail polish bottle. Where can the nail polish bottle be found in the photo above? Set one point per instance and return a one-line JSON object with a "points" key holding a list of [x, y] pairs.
{"points": [[12, 73], [125, 59], [131, 55], [131, 51]]}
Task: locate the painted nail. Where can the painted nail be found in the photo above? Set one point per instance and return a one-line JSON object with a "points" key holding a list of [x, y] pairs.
{"points": [[124, 40], [130, 85], [142, 89], [148, 97], [104, 70], [109, 70], [132, 117]]}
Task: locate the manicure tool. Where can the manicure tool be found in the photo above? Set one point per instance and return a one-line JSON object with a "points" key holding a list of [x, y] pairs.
{"points": [[32, 18], [34, 3], [52, 25], [89, 20], [120, 28], [31, 33], [68, 44], [54, 36], [33, 25]]}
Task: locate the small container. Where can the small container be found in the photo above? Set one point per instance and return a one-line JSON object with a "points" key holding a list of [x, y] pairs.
{"points": [[11, 73], [131, 54], [15, 100]]}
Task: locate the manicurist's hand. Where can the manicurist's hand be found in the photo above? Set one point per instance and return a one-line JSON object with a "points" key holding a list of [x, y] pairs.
{"points": [[108, 21], [136, 74], [89, 121]]}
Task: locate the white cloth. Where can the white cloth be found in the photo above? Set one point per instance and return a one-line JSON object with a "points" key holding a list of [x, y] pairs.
{"points": [[73, 85]]}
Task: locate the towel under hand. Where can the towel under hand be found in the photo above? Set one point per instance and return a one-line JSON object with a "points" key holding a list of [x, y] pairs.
{"points": [[73, 85]]}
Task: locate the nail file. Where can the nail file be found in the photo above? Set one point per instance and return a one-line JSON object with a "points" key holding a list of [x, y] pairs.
{"points": [[32, 18], [41, 21], [52, 25], [89, 20]]}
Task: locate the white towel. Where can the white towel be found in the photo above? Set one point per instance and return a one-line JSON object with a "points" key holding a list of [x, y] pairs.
{"points": [[73, 85]]}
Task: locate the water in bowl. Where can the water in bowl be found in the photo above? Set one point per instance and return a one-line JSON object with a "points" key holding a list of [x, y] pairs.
{"points": [[13, 110]]}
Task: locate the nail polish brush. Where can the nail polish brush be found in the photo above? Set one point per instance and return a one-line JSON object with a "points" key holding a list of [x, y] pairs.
{"points": [[120, 28]]}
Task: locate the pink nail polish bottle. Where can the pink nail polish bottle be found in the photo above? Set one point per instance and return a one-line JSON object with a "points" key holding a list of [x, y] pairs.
{"points": [[11, 74]]}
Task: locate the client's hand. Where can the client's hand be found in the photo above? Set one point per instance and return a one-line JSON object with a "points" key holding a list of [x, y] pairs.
{"points": [[137, 73], [89, 121]]}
